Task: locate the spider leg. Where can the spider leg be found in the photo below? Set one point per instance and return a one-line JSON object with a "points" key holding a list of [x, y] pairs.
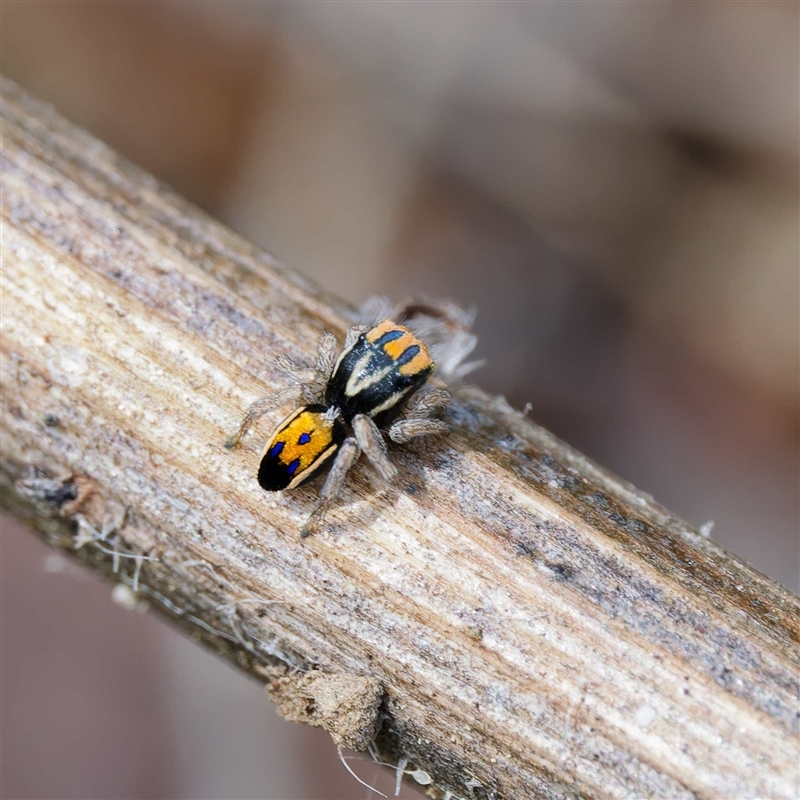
{"points": [[307, 382], [423, 405], [326, 356], [347, 455], [297, 372], [373, 445], [311, 381], [444, 311], [417, 417], [257, 410], [404, 430], [374, 310]]}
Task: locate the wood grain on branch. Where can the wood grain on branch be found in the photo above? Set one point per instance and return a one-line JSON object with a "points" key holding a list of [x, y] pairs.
{"points": [[513, 619]]}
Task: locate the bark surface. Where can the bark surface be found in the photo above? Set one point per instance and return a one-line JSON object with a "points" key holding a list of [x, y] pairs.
{"points": [[535, 626]]}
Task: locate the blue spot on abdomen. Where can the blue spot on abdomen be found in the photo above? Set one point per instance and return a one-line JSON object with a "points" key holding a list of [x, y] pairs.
{"points": [[292, 468], [305, 438], [275, 450]]}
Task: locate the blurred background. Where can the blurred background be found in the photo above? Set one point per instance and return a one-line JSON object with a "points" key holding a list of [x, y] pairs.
{"points": [[613, 185]]}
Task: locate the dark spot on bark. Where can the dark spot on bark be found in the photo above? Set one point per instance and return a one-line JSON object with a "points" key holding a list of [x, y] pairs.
{"points": [[51, 421], [572, 484], [598, 499], [524, 549], [65, 493], [724, 676], [562, 572], [510, 442]]}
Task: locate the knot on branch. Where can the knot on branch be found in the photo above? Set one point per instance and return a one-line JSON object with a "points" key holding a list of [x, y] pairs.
{"points": [[347, 706]]}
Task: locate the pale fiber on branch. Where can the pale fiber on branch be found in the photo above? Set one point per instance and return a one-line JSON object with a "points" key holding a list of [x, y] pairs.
{"points": [[537, 627]]}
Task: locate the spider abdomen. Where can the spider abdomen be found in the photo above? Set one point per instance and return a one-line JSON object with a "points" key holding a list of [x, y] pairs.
{"points": [[303, 445]]}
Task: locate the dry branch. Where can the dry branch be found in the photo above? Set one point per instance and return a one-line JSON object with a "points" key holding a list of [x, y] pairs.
{"points": [[536, 627]]}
